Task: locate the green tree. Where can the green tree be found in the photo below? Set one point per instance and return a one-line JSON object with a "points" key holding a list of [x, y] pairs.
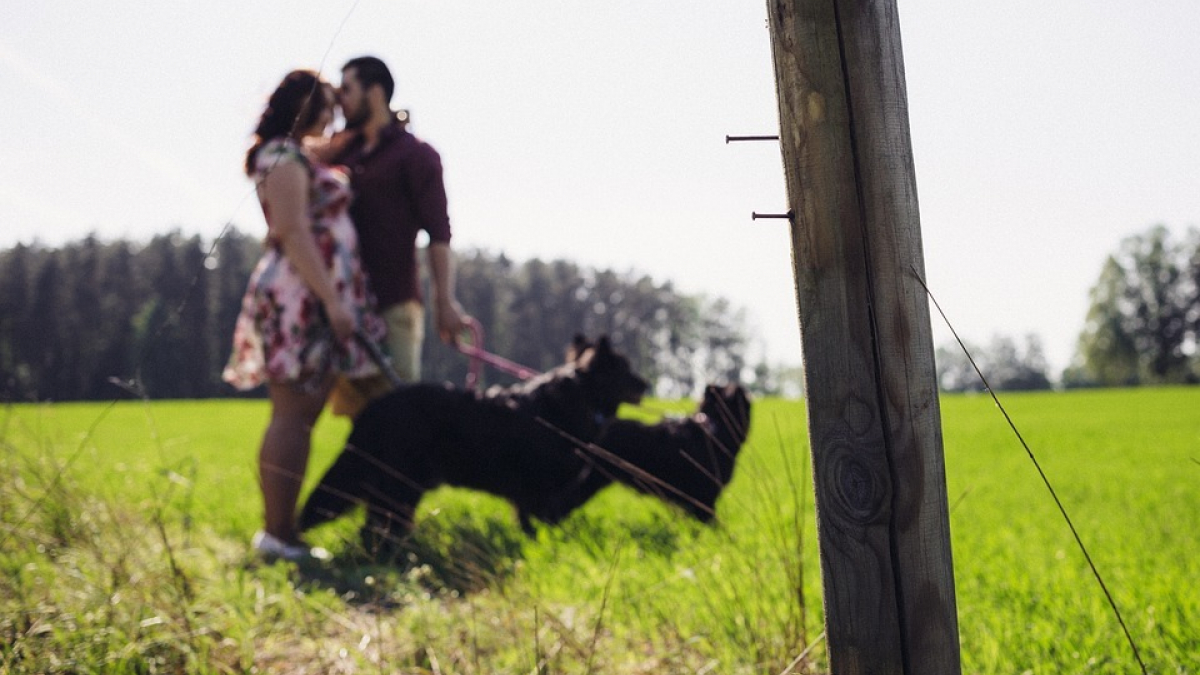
{"points": [[723, 345], [1007, 366], [119, 297], [44, 355], [164, 349], [954, 370], [17, 340], [1107, 353], [1142, 324], [1011, 368]]}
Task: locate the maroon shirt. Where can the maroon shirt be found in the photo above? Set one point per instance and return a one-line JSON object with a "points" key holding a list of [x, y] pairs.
{"points": [[398, 191]]}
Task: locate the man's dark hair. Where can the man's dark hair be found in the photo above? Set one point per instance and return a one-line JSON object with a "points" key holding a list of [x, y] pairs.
{"points": [[371, 70]]}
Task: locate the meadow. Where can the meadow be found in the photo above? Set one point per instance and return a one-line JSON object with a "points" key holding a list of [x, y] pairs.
{"points": [[124, 532]]}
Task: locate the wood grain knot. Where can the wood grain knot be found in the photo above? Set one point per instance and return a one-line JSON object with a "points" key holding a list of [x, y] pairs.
{"points": [[858, 488]]}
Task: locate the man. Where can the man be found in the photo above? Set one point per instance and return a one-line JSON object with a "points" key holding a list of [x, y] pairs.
{"points": [[398, 191]]}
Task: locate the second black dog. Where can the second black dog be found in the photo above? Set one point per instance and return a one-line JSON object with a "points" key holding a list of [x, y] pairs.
{"points": [[686, 462]]}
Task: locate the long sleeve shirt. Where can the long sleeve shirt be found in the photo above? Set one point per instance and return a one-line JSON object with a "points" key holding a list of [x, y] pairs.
{"points": [[398, 191]]}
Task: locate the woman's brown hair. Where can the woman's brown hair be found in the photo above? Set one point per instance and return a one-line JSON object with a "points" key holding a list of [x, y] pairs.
{"points": [[296, 104]]}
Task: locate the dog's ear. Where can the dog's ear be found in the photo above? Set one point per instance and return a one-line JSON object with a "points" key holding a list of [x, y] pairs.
{"points": [[603, 345], [586, 356], [577, 347], [717, 393]]}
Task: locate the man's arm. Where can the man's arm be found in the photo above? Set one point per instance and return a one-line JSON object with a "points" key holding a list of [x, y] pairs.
{"points": [[425, 182], [448, 315]]}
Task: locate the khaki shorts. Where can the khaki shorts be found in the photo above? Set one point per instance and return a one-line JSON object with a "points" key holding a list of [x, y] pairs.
{"points": [[405, 333], [406, 330]]}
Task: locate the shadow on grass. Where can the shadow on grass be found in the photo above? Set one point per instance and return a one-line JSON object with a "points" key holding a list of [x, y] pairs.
{"points": [[441, 557]]}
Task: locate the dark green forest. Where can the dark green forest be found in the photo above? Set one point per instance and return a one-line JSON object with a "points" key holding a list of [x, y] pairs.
{"points": [[94, 320]]}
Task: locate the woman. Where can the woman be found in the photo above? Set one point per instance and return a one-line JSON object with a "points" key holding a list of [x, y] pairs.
{"points": [[306, 298]]}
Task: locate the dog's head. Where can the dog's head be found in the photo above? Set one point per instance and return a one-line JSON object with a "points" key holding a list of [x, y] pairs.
{"points": [[727, 410], [605, 375], [719, 429]]}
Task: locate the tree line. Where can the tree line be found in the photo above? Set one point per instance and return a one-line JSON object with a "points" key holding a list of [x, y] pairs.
{"points": [[1142, 327], [1007, 365], [89, 319]]}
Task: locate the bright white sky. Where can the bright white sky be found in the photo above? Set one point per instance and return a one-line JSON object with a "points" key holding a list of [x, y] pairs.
{"points": [[1043, 133]]}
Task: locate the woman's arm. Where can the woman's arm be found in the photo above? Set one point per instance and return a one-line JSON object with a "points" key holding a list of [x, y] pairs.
{"points": [[285, 193], [326, 149]]}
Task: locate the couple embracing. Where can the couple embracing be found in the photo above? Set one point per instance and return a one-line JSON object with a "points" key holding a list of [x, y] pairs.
{"points": [[343, 214]]}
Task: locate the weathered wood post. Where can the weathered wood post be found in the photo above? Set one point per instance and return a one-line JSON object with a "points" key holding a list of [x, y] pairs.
{"points": [[874, 421]]}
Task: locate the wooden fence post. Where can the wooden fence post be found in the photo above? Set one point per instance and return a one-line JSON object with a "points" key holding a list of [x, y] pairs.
{"points": [[871, 387]]}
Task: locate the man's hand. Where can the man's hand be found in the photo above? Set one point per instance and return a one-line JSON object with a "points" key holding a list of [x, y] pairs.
{"points": [[450, 320], [448, 315]]}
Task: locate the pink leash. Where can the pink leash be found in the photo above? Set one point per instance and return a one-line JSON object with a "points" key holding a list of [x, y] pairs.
{"points": [[474, 350], [479, 356]]}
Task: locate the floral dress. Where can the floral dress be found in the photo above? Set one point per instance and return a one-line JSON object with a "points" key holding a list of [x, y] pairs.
{"points": [[281, 334]]}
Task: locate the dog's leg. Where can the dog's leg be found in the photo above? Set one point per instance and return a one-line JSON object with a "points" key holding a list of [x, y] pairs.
{"points": [[562, 501], [391, 514], [527, 525], [338, 491]]}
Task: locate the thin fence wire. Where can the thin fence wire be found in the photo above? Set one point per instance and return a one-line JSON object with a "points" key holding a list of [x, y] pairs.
{"points": [[1062, 509]]}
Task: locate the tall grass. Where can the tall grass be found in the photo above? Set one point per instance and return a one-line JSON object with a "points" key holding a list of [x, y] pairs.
{"points": [[123, 549]]}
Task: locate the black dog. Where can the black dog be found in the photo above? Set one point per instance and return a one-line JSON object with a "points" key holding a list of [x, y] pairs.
{"points": [[686, 462], [518, 442]]}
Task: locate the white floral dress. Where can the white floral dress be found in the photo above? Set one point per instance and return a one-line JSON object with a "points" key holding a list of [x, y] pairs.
{"points": [[281, 334]]}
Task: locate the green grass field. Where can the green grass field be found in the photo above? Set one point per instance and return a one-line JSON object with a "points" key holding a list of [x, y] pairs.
{"points": [[124, 530]]}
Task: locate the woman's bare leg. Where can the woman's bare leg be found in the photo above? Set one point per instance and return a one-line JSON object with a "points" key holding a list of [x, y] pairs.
{"points": [[283, 458]]}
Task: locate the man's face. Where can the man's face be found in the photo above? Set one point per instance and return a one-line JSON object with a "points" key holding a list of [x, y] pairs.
{"points": [[353, 99]]}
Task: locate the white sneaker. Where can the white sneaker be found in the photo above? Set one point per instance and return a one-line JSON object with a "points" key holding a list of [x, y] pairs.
{"points": [[272, 548]]}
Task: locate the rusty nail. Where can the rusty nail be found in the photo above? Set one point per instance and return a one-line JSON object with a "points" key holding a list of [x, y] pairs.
{"points": [[754, 215], [750, 138]]}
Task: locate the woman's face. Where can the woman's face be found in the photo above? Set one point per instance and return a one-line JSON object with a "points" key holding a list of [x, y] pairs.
{"points": [[325, 117]]}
